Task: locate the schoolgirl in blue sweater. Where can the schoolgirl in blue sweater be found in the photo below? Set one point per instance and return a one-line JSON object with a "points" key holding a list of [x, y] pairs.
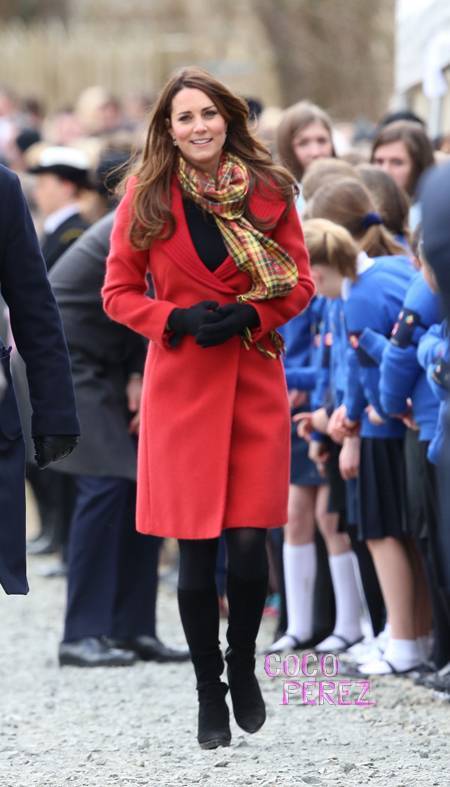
{"points": [[373, 291], [304, 135], [405, 391], [308, 493]]}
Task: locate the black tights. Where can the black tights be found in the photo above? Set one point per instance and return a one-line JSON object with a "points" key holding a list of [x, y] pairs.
{"points": [[247, 557], [247, 576]]}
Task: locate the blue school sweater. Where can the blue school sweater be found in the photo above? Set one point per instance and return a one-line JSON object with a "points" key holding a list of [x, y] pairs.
{"points": [[374, 301], [302, 338], [401, 376], [338, 344]]}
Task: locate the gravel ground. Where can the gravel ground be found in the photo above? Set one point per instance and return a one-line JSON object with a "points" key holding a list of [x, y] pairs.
{"points": [[136, 726]]}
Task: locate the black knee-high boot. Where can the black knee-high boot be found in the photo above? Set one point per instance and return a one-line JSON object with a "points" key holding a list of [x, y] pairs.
{"points": [[199, 613], [246, 603]]}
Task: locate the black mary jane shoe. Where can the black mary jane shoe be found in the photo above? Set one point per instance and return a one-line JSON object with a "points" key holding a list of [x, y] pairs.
{"points": [[213, 716], [249, 707], [93, 652]]}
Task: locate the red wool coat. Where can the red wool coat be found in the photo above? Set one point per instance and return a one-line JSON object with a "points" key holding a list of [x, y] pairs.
{"points": [[215, 425]]}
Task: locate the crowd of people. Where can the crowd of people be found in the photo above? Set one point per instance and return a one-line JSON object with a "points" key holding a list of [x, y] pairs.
{"points": [[357, 564]]}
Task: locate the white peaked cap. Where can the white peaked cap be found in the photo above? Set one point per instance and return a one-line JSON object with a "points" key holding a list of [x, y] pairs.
{"points": [[61, 156]]}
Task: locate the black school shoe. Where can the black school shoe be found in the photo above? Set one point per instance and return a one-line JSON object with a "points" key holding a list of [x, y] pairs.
{"points": [[93, 652], [151, 649]]}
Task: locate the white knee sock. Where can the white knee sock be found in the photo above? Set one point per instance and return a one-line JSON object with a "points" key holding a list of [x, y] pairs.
{"points": [[347, 596], [348, 603], [300, 568]]}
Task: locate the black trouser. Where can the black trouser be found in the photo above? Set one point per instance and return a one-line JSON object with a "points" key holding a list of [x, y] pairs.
{"points": [[247, 576], [112, 569]]}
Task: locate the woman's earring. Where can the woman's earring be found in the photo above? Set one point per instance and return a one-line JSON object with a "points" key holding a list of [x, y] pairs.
{"points": [[174, 141]]}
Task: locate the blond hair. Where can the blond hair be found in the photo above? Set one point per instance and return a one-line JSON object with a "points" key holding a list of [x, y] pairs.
{"points": [[332, 245]]}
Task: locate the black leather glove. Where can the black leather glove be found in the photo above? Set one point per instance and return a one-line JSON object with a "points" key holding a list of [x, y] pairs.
{"points": [[189, 321], [51, 448], [234, 319]]}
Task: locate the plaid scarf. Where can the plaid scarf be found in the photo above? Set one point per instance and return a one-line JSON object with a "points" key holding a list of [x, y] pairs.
{"points": [[272, 271]]}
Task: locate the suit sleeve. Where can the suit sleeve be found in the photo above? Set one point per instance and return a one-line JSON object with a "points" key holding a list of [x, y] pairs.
{"points": [[275, 312], [125, 287], [36, 323]]}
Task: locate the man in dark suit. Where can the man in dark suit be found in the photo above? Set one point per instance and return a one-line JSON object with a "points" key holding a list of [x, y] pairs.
{"points": [[112, 569], [37, 331], [61, 173]]}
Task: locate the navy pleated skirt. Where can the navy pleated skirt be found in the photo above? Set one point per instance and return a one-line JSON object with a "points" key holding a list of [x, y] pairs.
{"points": [[381, 488]]}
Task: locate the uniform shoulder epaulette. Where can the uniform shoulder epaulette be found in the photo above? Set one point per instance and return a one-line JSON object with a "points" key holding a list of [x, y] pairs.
{"points": [[68, 236]]}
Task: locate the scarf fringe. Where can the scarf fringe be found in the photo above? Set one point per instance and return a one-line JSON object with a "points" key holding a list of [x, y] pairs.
{"points": [[276, 339]]}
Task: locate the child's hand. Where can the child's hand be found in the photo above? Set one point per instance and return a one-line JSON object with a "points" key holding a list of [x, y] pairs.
{"points": [[349, 458], [296, 398], [304, 423], [374, 417]]}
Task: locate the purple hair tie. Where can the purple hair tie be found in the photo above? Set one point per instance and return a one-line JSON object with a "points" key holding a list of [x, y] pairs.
{"points": [[371, 218]]}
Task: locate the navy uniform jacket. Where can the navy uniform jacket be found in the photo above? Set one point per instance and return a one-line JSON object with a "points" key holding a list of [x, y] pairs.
{"points": [[38, 334], [56, 243]]}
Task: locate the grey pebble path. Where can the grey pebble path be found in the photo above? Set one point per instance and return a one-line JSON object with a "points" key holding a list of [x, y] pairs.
{"points": [[135, 727]]}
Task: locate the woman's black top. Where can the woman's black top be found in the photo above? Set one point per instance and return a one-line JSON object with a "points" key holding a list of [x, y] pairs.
{"points": [[205, 234]]}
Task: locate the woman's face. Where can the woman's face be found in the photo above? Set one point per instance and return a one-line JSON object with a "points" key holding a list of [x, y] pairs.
{"points": [[327, 280], [312, 142], [394, 159], [198, 129]]}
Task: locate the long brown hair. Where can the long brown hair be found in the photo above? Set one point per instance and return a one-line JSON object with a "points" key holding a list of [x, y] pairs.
{"points": [[321, 171], [152, 215], [392, 202], [348, 202], [295, 119], [416, 142]]}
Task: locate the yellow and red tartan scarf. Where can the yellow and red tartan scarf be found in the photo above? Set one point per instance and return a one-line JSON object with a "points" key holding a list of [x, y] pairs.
{"points": [[272, 270]]}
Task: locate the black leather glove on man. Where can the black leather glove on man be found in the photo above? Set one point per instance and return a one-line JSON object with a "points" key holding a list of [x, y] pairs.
{"points": [[234, 319], [189, 321], [51, 448]]}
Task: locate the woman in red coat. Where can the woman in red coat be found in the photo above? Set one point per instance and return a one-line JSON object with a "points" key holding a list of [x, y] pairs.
{"points": [[211, 218]]}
